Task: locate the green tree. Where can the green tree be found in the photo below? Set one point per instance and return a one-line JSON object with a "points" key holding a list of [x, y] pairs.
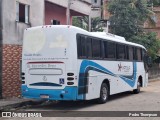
{"points": [[150, 41], [83, 22], [128, 17], [153, 3], [79, 22]]}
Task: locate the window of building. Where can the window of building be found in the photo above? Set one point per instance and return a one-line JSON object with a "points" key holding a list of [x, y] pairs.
{"points": [[96, 48], [22, 12], [55, 22]]}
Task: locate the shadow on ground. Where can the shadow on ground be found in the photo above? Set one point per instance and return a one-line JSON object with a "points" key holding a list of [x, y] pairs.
{"points": [[74, 105]]}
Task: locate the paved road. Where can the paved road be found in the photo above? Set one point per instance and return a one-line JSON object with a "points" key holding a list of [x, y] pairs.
{"points": [[147, 100]]}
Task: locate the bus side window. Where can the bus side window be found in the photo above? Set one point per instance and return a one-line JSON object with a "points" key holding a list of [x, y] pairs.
{"points": [[139, 54], [111, 47], [89, 47], [135, 54], [96, 48], [81, 46], [120, 51], [130, 53], [127, 53], [105, 49]]}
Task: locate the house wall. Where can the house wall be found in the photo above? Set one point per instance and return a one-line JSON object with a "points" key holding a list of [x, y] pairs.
{"points": [[12, 43], [13, 36], [1, 27], [53, 11], [154, 27], [81, 6], [96, 9]]}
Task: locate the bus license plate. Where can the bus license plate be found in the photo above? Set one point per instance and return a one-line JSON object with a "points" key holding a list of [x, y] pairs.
{"points": [[44, 96]]}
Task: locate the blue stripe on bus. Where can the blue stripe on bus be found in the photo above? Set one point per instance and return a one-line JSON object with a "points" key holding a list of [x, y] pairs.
{"points": [[132, 81], [69, 93], [87, 65]]}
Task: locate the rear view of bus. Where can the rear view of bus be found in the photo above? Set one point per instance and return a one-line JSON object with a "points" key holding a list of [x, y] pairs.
{"points": [[44, 59]]}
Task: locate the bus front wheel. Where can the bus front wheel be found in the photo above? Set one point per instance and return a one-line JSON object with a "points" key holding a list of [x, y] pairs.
{"points": [[104, 93]]}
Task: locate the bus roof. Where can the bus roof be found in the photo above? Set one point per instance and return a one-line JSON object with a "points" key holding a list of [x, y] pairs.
{"points": [[102, 35], [108, 36], [115, 38]]}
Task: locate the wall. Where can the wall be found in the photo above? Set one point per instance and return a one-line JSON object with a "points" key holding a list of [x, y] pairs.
{"points": [[12, 42], [56, 12], [1, 27], [96, 9], [11, 71], [53, 11], [154, 72], [149, 26], [13, 36], [13, 31], [75, 5]]}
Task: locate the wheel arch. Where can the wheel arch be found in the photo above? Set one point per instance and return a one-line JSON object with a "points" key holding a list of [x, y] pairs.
{"points": [[140, 78]]}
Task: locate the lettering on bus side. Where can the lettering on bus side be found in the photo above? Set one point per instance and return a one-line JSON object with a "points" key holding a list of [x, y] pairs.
{"points": [[123, 68]]}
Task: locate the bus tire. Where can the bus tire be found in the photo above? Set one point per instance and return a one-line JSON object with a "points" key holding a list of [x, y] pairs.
{"points": [[104, 93], [136, 91]]}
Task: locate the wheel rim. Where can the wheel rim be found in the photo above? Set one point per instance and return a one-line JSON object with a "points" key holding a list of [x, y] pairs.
{"points": [[104, 93]]}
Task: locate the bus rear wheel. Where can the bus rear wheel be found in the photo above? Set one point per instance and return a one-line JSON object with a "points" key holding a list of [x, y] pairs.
{"points": [[136, 91], [104, 93]]}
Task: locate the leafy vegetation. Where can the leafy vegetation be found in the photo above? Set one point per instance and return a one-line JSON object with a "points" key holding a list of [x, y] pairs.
{"points": [[153, 2], [83, 22], [128, 17], [150, 41]]}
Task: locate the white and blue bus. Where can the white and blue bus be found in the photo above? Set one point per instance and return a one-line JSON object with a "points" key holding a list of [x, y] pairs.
{"points": [[68, 63]]}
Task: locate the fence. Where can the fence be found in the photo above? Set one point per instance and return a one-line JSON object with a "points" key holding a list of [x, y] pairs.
{"points": [[154, 72]]}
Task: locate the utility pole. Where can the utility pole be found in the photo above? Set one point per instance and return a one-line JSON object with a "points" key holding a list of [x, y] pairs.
{"points": [[68, 12]]}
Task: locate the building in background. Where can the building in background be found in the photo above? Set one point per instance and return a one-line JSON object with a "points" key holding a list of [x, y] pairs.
{"points": [[17, 15], [96, 8]]}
